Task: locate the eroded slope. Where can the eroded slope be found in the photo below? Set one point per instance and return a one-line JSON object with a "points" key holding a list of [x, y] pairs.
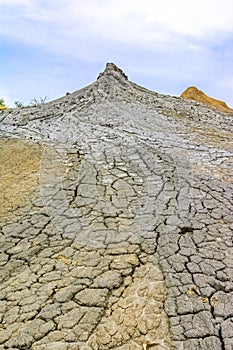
{"points": [[127, 241], [195, 94]]}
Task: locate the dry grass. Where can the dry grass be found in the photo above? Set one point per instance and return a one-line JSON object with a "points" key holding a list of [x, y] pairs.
{"points": [[19, 173]]}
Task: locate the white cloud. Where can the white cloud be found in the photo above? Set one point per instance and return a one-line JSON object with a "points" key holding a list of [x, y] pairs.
{"points": [[5, 95], [180, 36], [65, 25], [176, 16], [14, 2]]}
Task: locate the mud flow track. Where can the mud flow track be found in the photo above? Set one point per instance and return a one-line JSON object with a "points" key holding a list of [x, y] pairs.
{"points": [[116, 222]]}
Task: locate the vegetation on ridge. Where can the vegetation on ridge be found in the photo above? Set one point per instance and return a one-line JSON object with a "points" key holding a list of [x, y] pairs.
{"points": [[18, 104], [2, 105]]}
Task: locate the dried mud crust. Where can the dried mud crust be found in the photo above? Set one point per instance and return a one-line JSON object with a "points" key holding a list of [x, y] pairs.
{"points": [[123, 245]]}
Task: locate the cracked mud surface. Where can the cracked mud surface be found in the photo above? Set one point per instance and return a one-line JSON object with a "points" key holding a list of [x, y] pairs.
{"points": [[117, 230]]}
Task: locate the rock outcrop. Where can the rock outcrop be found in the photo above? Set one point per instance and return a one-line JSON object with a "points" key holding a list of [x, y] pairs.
{"points": [[192, 93], [116, 222]]}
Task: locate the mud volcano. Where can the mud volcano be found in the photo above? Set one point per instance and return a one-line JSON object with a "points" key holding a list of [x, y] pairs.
{"points": [[116, 222]]}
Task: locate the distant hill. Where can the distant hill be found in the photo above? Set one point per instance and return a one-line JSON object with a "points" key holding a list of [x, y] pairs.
{"points": [[192, 93]]}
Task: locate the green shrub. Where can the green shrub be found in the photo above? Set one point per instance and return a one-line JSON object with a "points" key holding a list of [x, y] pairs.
{"points": [[18, 104]]}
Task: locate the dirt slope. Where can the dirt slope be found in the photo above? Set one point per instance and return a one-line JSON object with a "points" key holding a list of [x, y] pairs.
{"points": [[192, 93]]}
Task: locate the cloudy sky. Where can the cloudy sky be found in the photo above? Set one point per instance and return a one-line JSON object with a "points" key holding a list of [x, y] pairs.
{"points": [[50, 47]]}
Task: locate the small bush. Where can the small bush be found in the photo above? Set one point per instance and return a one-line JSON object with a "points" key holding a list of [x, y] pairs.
{"points": [[37, 102], [18, 104], [2, 105]]}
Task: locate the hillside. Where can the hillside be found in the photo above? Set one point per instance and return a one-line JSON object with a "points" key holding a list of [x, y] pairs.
{"points": [[192, 93], [116, 222]]}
